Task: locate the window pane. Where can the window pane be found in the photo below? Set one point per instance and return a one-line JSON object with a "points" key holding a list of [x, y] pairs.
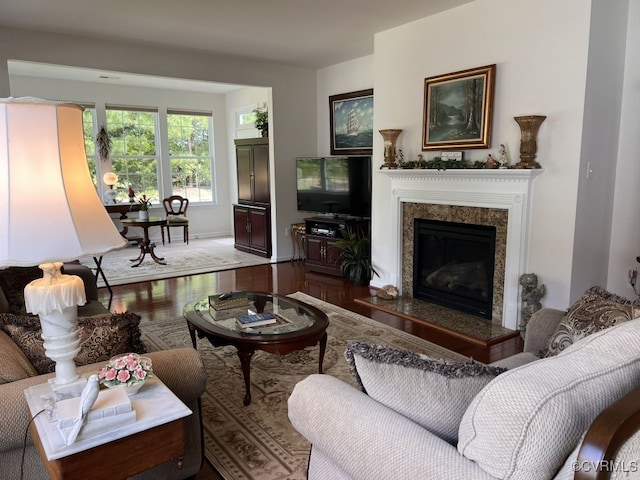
{"points": [[191, 160], [133, 155]]}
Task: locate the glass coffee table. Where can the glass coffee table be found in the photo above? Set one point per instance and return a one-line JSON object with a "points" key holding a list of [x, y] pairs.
{"points": [[297, 325]]}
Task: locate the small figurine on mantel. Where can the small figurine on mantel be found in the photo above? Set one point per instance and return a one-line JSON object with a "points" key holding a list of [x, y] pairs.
{"points": [[503, 156], [491, 162]]}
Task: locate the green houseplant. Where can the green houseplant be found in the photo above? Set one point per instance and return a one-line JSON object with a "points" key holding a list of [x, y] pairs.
{"points": [[261, 116], [355, 257]]}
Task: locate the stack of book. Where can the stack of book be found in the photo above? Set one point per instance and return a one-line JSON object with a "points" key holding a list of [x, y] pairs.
{"points": [[256, 320]]}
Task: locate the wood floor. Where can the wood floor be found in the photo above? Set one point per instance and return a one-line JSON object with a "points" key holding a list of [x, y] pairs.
{"points": [[161, 299]]}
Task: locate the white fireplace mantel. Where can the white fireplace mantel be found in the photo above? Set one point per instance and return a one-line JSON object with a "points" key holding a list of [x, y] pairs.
{"points": [[508, 189]]}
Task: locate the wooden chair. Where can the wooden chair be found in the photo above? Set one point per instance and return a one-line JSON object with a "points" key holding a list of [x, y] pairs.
{"points": [[175, 208]]}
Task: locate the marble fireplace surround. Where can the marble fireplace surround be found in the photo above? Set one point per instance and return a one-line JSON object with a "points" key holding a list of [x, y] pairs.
{"points": [[501, 198]]}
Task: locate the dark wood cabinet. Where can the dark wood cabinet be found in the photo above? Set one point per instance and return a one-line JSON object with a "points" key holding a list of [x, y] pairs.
{"points": [[321, 235], [253, 171], [252, 229], [252, 225]]}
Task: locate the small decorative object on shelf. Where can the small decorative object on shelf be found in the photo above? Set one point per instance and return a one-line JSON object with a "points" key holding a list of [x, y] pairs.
{"points": [[388, 292], [491, 162], [390, 137], [132, 194], [129, 371], [529, 126], [503, 156]]}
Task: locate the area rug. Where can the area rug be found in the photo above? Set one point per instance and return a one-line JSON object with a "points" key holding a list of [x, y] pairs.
{"points": [[199, 256], [258, 441]]}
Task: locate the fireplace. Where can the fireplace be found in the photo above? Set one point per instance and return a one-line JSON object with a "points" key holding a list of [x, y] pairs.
{"points": [[453, 265]]}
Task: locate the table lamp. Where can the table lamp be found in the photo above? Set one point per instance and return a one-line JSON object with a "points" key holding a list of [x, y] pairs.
{"points": [[50, 212], [110, 179]]}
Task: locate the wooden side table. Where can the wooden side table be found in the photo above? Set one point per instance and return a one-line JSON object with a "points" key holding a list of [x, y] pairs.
{"points": [[121, 458], [157, 436]]}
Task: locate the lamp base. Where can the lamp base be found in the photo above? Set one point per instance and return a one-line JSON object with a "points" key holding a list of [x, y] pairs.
{"points": [[68, 390]]}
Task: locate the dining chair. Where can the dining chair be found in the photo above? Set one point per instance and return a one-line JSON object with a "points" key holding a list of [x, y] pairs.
{"points": [[175, 208]]}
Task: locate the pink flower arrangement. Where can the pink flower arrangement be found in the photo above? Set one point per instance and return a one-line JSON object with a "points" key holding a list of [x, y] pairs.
{"points": [[126, 370]]}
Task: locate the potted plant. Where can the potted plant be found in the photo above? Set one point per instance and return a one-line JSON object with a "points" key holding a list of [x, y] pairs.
{"points": [[144, 204], [355, 257], [261, 122]]}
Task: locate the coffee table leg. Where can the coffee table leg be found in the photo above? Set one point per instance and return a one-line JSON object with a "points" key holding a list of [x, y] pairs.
{"points": [[245, 361], [323, 347]]}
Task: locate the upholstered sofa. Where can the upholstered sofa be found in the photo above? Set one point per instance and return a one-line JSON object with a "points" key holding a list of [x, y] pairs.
{"points": [[181, 370], [549, 415]]}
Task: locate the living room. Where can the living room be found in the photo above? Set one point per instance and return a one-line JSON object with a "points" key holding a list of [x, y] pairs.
{"points": [[572, 61], [556, 54]]}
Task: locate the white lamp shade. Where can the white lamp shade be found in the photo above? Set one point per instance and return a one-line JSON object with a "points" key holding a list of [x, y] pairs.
{"points": [[49, 208]]}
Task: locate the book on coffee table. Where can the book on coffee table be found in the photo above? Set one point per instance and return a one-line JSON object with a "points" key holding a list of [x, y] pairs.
{"points": [[259, 319]]}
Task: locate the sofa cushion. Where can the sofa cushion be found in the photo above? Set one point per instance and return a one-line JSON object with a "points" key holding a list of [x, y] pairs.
{"points": [[525, 422], [595, 310], [432, 392], [101, 337], [12, 282], [13, 363]]}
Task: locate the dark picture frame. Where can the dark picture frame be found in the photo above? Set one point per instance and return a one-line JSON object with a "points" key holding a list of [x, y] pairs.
{"points": [[351, 118], [458, 109]]}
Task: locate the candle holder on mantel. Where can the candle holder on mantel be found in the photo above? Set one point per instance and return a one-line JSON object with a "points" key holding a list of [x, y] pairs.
{"points": [[529, 126], [390, 137]]}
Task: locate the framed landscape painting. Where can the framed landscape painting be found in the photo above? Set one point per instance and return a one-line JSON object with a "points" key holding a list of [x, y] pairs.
{"points": [[351, 116], [458, 109]]}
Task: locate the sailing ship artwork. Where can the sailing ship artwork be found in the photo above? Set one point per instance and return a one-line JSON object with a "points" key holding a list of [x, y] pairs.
{"points": [[352, 123]]}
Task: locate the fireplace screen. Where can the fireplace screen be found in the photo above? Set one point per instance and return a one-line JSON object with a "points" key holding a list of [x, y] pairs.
{"points": [[453, 265]]}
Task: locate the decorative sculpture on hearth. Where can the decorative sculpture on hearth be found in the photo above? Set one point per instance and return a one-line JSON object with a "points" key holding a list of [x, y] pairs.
{"points": [[531, 295]]}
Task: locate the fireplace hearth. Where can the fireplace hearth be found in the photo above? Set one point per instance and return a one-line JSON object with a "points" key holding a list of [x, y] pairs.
{"points": [[454, 265]]}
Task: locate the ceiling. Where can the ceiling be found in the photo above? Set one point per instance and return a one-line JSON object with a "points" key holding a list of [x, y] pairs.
{"points": [[309, 33]]}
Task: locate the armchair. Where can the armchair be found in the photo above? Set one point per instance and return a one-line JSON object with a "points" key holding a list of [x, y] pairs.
{"points": [[558, 418]]}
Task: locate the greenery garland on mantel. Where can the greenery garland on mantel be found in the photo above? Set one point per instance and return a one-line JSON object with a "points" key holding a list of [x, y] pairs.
{"points": [[438, 163]]}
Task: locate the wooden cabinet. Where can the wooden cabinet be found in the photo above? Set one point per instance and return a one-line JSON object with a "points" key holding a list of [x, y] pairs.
{"points": [[252, 225], [252, 229], [253, 171], [321, 236]]}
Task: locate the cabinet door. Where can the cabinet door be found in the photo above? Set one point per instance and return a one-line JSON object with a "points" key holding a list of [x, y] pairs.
{"points": [[259, 229], [332, 255], [261, 174], [244, 154], [314, 250], [241, 226]]}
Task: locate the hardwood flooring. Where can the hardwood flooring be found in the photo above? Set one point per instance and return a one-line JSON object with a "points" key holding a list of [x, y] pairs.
{"points": [[160, 299]]}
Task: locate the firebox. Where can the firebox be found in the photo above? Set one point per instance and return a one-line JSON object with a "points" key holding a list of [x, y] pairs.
{"points": [[454, 265]]}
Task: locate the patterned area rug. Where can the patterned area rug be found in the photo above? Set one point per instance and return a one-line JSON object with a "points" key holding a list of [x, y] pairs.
{"points": [[200, 256], [258, 442]]}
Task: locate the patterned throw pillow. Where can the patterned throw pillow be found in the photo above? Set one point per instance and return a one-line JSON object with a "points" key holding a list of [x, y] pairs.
{"points": [[101, 337], [433, 393], [595, 310]]}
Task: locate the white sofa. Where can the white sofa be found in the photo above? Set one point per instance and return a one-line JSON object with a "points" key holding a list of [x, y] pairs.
{"points": [[530, 422]]}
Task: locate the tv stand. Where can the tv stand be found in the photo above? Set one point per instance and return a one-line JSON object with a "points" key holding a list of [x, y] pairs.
{"points": [[321, 236]]}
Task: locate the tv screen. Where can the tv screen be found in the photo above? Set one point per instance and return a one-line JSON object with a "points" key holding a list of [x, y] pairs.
{"points": [[334, 185]]}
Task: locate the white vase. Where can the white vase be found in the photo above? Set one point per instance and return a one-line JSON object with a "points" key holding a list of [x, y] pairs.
{"points": [[143, 214], [133, 389]]}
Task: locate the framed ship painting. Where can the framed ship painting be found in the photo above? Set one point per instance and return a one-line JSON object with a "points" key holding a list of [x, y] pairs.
{"points": [[458, 109], [351, 116]]}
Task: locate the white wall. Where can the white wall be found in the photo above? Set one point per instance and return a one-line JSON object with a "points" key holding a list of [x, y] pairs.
{"points": [[625, 228], [293, 113]]}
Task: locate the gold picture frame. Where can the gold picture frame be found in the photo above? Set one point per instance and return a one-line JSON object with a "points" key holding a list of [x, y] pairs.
{"points": [[458, 109]]}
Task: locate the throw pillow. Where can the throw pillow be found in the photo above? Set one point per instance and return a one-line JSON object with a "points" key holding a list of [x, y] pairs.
{"points": [[433, 393], [525, 423], [12, 282], [13, 363], [595, 310], [101, 337]]}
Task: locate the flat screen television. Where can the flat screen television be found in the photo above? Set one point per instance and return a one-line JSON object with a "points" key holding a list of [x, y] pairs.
{"points": [[339, 186]]}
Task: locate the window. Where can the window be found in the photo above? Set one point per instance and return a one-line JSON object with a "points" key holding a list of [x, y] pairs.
{"points": [[134, 155], [88, 123], [190, 151]]}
